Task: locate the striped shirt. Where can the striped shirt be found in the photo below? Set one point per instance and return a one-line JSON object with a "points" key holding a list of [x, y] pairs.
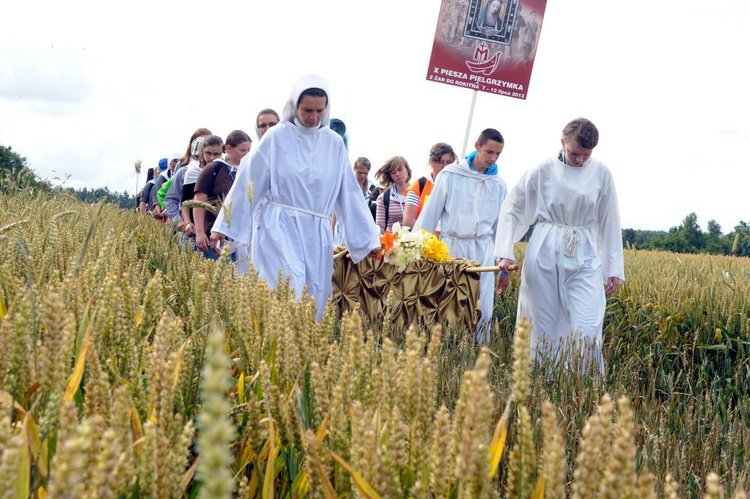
{"points": [[395, 210]]}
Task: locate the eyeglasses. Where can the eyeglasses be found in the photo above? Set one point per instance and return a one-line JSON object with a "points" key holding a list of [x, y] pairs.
{"points": [[267, 125], [212, 154], [442, 163]]}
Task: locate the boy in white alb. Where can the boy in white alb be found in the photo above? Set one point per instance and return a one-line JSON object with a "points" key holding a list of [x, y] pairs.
{"points": [[466, 202]]}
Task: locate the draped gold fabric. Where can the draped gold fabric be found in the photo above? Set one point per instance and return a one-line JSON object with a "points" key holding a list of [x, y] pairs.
{"points": [[426, 292]]}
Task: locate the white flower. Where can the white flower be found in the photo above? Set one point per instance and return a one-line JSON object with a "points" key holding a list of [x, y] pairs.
{"points": [[408, 246]]}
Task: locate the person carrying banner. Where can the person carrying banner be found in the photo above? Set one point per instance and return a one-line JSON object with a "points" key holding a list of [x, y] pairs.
{"points": [[574, 258], [466, 201], [299, 174]]}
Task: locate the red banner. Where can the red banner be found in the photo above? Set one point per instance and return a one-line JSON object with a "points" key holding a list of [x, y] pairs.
{"points": [[487, 45]]}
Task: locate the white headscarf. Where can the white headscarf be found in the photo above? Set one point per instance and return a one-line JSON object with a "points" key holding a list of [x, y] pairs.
{"points": [[192, 172], [166, 173], [303, 83]]}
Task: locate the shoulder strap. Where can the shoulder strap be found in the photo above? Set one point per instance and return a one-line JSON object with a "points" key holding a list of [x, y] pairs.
{"points": [[217, 167], [386, 202], [422, 182]]}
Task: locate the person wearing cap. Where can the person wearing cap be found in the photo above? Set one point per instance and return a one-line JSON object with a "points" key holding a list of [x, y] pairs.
{"points": [[164, 175], [146, 204], [299, 174]]}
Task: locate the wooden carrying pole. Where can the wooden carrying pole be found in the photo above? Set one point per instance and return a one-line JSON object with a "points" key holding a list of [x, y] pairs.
{"points": [[494, 268]]}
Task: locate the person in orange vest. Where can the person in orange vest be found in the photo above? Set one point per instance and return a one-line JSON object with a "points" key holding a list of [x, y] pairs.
{"points": [[441, 155]]}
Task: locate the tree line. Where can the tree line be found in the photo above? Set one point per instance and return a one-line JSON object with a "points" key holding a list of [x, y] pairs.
{"points": [[15, 174], [689, 238], [685, 238]]}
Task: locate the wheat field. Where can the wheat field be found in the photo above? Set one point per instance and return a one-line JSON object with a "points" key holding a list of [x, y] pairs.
{"points": [[130, 367]]}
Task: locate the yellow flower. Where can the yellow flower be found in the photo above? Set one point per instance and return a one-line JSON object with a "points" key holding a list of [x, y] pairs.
{"points": [[435, 249], [402, 246]]}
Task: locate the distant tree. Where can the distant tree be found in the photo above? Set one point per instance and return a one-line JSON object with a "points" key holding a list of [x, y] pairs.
{"points": [[628, 237], [674, 242], [695, 238], [738, 241], [687, 238], [121, 199], [714, 229], [11, 160], [643, 239], [715, 243], [14, 171]]}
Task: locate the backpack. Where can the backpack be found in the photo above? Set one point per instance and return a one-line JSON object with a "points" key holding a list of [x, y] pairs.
{"points": [[422, 181], [188, 190], [387, 197], [217, 167], [386, 202], [372, 197]]}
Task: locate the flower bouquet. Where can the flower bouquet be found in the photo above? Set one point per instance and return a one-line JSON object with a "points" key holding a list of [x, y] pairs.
{"points": [[403, 246]]}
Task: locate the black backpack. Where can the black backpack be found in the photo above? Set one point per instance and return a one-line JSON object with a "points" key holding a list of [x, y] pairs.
{"points": [[387, 197], [372, 198]]}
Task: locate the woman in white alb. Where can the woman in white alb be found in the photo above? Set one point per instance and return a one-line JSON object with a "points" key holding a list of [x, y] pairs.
{"points": [[574, 258], [297, 176]]}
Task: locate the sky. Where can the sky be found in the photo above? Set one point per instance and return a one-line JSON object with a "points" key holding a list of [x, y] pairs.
{"points": [[87, 88]]}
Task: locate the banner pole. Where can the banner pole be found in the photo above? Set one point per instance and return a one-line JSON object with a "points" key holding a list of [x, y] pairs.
{"points": [[468, 124]]}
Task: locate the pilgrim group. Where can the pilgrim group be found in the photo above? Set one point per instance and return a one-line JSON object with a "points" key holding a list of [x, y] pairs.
{"points": [[283, 206]]}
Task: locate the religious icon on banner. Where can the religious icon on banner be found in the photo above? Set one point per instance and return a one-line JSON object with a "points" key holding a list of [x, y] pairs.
{"points": [[491, 20], [487, 45]]}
